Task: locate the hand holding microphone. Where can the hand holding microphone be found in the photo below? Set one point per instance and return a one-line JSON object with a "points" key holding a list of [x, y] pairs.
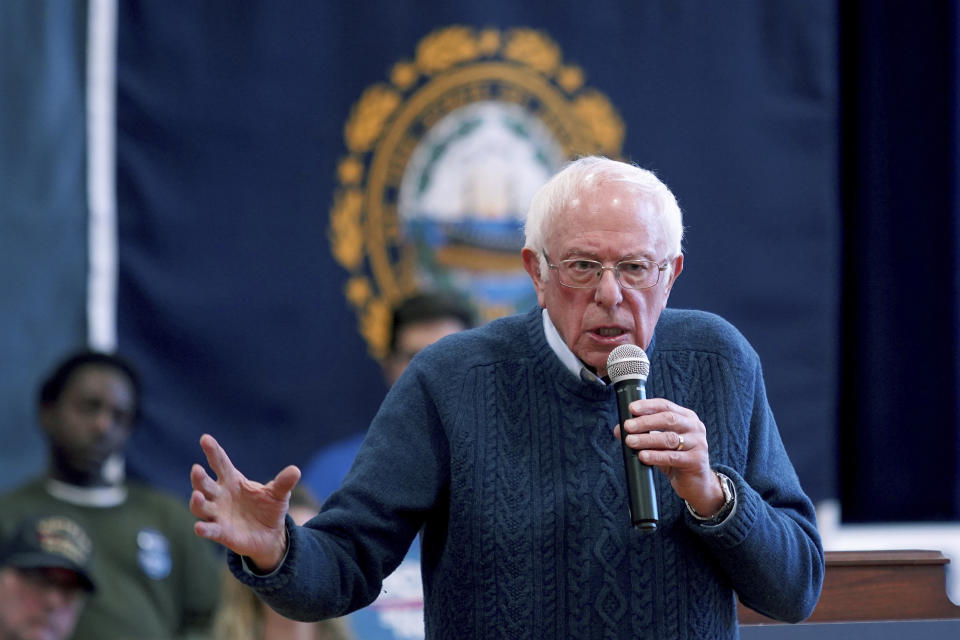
{"points": [[672, 439], [628, 367]]}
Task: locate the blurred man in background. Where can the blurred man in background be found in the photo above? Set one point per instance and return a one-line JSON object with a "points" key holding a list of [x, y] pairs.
{"points": [[417, 322], [44, 579], [154, 579]]}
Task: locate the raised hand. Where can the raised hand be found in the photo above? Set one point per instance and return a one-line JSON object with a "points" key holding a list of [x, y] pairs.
{"points": [[244, 516]]}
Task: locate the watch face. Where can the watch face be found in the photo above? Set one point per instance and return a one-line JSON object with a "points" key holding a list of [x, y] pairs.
{"points": [[727, 485]]}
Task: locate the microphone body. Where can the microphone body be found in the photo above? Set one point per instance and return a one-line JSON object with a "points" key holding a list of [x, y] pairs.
{"points": [[628, 367]]}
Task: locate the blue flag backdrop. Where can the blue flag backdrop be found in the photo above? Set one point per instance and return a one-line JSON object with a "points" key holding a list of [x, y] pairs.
{"points": [[259, 241], [43, 223]]}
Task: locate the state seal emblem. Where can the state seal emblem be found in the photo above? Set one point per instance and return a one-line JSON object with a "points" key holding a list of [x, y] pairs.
{"points": [[442, 161]]}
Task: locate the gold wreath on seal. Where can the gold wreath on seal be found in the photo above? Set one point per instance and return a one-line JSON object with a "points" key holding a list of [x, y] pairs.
{"points": [[452, 66]]}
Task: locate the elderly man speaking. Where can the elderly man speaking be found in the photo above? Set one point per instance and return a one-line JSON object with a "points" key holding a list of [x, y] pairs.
{"points": [[502, 445]]}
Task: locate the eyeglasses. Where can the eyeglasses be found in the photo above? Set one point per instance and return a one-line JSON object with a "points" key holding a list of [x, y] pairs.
{"points": [[579, 273]]}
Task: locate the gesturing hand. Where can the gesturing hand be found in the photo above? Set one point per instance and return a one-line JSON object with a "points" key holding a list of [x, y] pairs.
{"points": [[244, 516]]}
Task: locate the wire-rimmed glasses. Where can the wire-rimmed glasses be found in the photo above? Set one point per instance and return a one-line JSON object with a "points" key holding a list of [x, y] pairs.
{"points": [[581, 273]]}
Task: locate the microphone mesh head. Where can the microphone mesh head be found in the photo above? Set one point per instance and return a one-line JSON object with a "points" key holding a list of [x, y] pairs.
{"points": [[627, 362]]}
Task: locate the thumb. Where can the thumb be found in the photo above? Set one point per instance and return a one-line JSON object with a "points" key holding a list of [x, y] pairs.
{"points": [[285, 481]]}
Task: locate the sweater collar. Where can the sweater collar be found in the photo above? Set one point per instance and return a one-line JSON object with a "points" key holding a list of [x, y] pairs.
{"points": [[569, 359]]}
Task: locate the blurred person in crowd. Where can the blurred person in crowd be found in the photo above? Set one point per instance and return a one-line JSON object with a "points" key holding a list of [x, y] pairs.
{"points": [[416, 322], [243, 616], [501, 447], [44, 579], [153, 579]]}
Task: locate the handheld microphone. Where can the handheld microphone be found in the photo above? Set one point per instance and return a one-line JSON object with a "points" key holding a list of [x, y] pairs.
{"points": [[628, 367]]}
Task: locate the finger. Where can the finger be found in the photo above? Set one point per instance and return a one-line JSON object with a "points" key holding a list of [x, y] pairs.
{"points": [[208, 530], [671, 440], [201, 507], [641, 438], [661, 421], [201, 481], [667, 440], [651, 406], [285, 481], [662, 459], [632, 440], [635, 440], [216, 457], [634, 425]]}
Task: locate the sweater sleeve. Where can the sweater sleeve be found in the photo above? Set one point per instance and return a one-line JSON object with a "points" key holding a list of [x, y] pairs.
{"points": [[337, 561], [768, 546]]}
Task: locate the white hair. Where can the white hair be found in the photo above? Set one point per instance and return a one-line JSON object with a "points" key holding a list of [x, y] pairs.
{"points": [[570, 183]]}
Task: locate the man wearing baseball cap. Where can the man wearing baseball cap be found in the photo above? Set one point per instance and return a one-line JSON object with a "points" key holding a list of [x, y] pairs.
{"points": [[44, 579]]}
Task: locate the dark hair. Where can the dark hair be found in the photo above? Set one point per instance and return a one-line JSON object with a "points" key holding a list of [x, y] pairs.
{"points": [[53, 385], [426, 307]]}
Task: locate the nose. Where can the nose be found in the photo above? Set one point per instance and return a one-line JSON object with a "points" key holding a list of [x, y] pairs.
{"points": [[55, 596], [103, 420], [608, 292]]}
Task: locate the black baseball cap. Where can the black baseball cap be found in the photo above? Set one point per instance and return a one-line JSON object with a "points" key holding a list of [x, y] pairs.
{"points": [[51, 541]]}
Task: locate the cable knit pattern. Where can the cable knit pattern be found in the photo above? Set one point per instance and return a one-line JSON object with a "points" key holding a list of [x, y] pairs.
{"points": [[509, 465]]}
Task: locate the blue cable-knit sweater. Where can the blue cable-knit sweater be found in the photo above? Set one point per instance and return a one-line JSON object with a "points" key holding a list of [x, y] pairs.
{"points": [[509, 464]]}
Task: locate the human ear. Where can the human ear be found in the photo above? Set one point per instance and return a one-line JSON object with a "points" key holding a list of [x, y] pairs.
{"points": [[675, 269], [531, 262]]}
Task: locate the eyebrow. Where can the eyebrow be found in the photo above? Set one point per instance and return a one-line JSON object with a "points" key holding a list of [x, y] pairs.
{"points": [[581, 253]]}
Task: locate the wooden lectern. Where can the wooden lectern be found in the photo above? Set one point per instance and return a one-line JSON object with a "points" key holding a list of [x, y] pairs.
{"points": [[878, 585]]}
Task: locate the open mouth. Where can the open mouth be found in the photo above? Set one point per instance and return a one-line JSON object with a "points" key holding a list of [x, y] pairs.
{"points": [[609, 332]]}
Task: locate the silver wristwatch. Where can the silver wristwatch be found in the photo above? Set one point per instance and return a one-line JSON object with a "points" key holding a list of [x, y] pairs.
{"points": [[729, 499]]}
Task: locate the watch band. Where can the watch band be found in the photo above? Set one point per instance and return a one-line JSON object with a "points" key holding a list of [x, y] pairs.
{"points": [[729, 499]]}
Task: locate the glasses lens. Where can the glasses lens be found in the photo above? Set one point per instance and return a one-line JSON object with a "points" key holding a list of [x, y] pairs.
{"points": [[638, 274], [580, 273]]}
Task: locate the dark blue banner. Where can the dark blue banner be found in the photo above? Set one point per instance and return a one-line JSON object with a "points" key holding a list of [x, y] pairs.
{"points": [[43, 213], [276, 192], [286, 171]]}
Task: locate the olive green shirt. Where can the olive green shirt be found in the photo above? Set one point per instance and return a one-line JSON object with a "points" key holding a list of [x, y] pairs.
{"points": [[155, 579]]}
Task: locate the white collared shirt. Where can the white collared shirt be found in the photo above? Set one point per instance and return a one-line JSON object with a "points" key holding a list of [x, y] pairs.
{"points": [[567, 357]]}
